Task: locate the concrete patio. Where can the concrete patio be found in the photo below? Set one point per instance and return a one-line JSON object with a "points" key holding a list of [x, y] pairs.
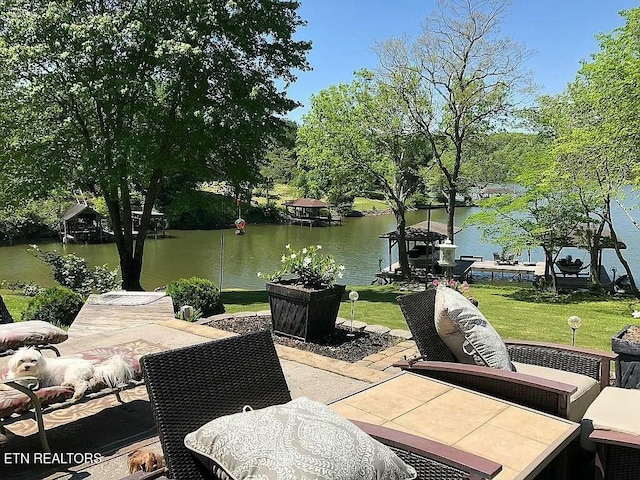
{"points": [[147, 321]]}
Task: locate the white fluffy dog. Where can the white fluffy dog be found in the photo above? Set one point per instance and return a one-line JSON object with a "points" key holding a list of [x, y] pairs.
{"points": [[74, 372]]}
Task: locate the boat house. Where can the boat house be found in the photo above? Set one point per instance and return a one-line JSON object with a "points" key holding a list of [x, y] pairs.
{"points": [[82, 224], [423, 242], [309, 211]]}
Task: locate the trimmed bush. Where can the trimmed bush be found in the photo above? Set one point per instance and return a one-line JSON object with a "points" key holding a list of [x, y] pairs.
{"points": [[57, 305], [200, 293]]}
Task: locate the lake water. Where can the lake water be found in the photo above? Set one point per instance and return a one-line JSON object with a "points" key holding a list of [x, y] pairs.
{"points": [[354, 244]]}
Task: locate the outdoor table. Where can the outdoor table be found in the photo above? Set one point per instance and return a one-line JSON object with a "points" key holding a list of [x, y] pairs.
{"points": [[522, 440]]}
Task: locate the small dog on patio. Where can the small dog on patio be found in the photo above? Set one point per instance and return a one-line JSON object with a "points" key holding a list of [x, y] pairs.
{"points": [[74, 372], [145, 460]]}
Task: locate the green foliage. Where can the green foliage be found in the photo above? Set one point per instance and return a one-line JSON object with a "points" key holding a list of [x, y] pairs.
{"points": [[73, 272], [198, 209], [121, 96], [307, 267], [200, 293], [29, 220], [57, 305]]}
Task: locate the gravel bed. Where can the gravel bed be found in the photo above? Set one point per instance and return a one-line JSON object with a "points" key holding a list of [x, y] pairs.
{"points": [[341, 345]]}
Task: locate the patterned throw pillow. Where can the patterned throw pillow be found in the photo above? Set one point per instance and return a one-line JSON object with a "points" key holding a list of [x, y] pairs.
{"points": [[466, 332], [300, 439]]}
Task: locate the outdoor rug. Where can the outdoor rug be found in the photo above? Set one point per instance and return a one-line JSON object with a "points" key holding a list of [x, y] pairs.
{"points": [[126, 298], [98, 427]]}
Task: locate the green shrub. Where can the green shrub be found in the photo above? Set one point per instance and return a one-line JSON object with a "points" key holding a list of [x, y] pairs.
{"points": [[200, 293], [73, 272], [57, 305]]}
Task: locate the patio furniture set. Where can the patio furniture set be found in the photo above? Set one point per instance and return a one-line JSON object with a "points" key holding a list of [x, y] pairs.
{"points": [[470, 407]]}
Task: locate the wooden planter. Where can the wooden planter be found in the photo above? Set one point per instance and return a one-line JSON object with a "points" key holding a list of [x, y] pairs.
{"points": [[303, 313], [628, 362]]}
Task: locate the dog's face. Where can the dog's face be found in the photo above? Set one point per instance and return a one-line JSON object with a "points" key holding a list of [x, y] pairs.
{"points": [[26, 362], [144, 460]]}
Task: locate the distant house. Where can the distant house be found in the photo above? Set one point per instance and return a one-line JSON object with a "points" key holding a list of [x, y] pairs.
{"points": [[81, 224]]}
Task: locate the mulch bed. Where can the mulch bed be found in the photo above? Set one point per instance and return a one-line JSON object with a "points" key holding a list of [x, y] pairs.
{"points": [[632, 334], [341, 344]]}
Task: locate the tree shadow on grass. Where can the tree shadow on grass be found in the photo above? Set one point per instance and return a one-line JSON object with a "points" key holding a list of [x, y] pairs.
{"points": [[546, 297], [249, 297], [245, 297]]}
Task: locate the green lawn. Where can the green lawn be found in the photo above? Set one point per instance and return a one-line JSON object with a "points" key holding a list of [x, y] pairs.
{"points": [[512, 310], [15, 301]]}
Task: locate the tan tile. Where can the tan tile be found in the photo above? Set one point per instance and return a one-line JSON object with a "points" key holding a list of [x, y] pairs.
{"points": [[530, 424], [383, 401], [354, 413], [403, 428], [451, 416], [419, 387], [506, 448]]}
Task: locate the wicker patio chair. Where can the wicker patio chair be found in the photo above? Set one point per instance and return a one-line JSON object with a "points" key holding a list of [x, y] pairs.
{"points": [[190, 386], [543, 394]]}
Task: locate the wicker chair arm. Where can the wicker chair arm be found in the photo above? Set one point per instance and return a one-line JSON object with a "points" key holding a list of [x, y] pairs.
{"points": [[593, 363], [615, 438], [432, 460], [534, 392]]}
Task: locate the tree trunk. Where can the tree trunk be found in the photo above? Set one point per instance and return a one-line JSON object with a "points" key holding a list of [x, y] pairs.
{"points": [[451, 213], [401, 228], [623, 261], [5, 316], [131, 269]]}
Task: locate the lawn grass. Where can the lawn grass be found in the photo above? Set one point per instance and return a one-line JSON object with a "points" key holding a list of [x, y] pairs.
{"points": [[514, 310], [361, 204], [15, 301]]}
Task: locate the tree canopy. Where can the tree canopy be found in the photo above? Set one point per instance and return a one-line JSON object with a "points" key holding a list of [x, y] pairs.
{"points": [[111, 96], [358, 137], [459, 80]]}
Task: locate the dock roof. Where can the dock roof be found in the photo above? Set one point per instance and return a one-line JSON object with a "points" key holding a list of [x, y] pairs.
{"points": [[423, 232]]}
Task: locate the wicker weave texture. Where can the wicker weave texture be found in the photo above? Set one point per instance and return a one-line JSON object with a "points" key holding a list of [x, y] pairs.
{"points": [[429, 469], [558, 359], [418, 310], [622, 463], [191, 386]]}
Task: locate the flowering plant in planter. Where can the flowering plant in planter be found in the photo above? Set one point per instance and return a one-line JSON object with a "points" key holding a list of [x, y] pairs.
{"points": [[306, 267]]}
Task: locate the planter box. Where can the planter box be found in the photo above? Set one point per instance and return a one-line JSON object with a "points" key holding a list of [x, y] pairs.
{"points": [[628, 362], [303, 313]]}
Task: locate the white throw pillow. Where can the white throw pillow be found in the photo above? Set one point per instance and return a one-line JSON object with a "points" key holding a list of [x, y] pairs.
{"points": [[300, 439], [467, 333]]}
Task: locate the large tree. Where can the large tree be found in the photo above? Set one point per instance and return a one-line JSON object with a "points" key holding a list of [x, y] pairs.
{"points": [[359, 137], [599, 128], [460, 79], [123, 94]]}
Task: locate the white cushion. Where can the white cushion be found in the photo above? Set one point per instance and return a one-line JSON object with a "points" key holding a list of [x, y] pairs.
{"points": [[588, 388], [300, 439], [467, 333], [613, 410]]}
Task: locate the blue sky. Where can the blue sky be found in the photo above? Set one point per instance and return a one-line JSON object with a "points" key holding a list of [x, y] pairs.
{"points": [[561, 33]]}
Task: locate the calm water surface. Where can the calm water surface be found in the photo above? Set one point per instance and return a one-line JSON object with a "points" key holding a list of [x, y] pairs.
{"points": [[198, 253]]}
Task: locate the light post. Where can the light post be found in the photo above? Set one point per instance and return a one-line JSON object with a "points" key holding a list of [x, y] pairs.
{"points": [[353, 296], [447, 256], [574, 322]]}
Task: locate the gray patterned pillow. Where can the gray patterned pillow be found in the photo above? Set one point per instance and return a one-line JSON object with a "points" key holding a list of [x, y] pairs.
{"points": [[466, 332], [300, 439]]}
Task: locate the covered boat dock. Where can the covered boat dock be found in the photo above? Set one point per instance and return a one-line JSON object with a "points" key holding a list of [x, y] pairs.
{"points": [[311, 212]]}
